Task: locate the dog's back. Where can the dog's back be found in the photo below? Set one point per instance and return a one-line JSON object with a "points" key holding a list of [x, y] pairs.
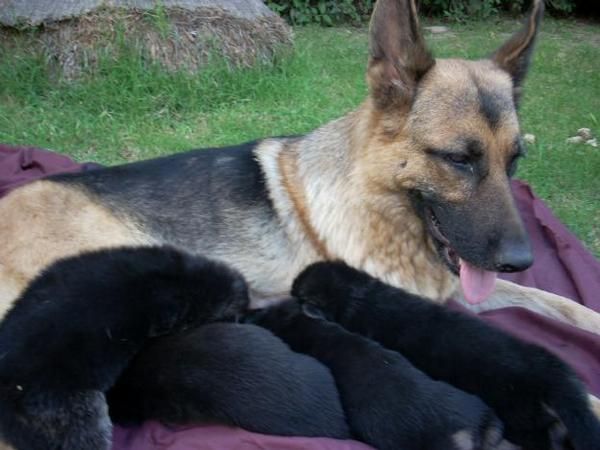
{"points": [[209, 201]]}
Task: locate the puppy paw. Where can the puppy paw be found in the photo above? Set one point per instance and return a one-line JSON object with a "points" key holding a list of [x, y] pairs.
{"points": [[45, 421], [535, 425], [391, 411], [455, 420], [466, 440], [460, 421]]}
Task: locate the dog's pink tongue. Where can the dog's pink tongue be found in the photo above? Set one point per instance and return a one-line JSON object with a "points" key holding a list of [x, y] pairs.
{"points": [[477, 284]]}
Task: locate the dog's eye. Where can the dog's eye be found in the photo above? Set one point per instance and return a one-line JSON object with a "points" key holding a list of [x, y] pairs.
{"points": [[459, 160]]}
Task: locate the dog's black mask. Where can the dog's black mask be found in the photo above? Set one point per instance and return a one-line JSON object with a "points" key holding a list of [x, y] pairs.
{"points": [[483, 234]]}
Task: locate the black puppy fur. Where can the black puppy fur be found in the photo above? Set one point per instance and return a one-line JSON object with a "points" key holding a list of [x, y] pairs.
{"points": [[78, 325], [234, 374], [525, 385], [86, 318], [389, 404]]}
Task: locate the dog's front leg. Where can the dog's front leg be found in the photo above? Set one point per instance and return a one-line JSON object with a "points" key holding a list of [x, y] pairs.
{"points": [[550, 305]]}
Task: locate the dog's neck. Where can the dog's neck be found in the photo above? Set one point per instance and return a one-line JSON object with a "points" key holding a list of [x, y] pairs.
{"points": [[331, 212]]}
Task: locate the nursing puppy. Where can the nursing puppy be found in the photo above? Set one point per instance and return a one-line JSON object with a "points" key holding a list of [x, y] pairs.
{"points": [[232, 374], [526, 386], [80, 323], [98, 321], [389, 403]]}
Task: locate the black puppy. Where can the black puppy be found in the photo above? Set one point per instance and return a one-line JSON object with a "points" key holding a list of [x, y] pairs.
{"points": [[527, 386], [234, 374], [389, 404], [77, 326]]}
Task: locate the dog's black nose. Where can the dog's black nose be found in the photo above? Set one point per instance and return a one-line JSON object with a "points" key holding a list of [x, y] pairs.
{"points": [[514, 256]]}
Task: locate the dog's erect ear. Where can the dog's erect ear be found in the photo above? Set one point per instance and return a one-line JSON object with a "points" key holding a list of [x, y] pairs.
{"points": [[398, 55], [515, 54]]}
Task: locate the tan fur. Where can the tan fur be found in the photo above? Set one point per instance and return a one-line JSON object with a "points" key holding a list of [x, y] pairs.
{"points": [[545, 303], [288, 169], [42, 222], [292, 240], [367, 226], [595, 402]]}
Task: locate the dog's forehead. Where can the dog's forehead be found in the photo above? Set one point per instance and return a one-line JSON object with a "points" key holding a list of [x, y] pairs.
{"points": [[468, 74], [458, 99]]}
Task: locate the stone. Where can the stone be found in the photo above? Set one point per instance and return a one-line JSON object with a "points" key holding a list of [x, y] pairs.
{"points": [[36, 12], [575, 140], [187, 35], [437, 29], [585, 133]]}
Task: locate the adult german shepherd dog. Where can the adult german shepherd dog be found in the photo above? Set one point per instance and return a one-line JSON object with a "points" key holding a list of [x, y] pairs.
{"points": [[412, 187]]}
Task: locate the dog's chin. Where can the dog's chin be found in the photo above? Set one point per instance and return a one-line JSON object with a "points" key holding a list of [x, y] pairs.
{"points": [[445, 251], [477, 283]]}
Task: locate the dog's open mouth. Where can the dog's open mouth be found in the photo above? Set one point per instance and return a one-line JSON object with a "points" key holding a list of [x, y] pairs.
{"points": [[477, 284]]}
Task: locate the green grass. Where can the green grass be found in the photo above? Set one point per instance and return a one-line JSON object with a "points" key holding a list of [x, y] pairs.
{"points": [[130, 111]]}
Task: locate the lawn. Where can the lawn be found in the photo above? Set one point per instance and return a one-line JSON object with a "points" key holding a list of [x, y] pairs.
{"points": [[130, 111]]}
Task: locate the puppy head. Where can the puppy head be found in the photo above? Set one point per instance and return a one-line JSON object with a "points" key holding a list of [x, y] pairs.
{"points": [[326, 289]]}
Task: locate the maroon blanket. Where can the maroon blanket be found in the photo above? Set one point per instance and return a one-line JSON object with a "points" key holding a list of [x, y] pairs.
{"points": [[562, 265]]}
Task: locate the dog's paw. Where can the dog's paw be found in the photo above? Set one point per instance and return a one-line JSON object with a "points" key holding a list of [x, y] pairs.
{"points": [[479, 427], [538, 421], [44, 421], [390, 412], [460, 421], [466, 440], [539, 398]]}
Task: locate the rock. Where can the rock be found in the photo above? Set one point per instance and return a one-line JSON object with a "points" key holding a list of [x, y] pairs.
{"points": [[575, 140], [585, 133], [437, 29], [36, 12], [184, 35], [529, 138]]}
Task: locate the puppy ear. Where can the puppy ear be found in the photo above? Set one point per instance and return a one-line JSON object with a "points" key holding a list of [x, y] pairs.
{"points": [[514, 56], [398, 57]]}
